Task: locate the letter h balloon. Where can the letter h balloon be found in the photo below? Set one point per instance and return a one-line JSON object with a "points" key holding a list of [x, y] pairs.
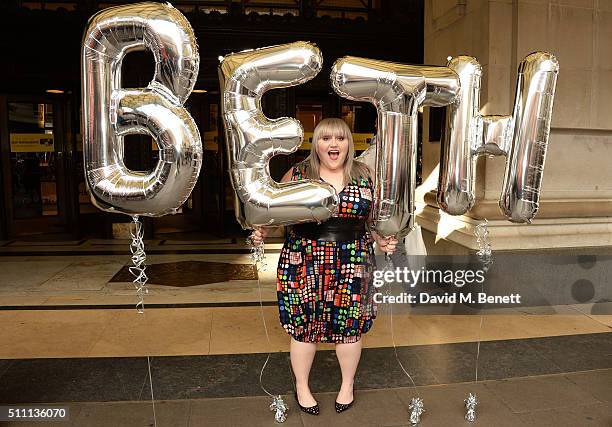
{"points": [[521, 137]]}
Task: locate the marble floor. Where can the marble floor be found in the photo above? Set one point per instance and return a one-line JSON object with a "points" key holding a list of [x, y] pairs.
{"points": [[562, 400], [239, 330], [95, 272], [538, 382], [71, 334]]}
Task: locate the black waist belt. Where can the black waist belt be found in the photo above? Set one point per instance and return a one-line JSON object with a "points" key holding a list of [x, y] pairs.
{"points": [[334, 229]]}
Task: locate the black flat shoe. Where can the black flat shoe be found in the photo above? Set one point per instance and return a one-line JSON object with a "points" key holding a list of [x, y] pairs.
{"points": [[341, 407], [312, 410]]}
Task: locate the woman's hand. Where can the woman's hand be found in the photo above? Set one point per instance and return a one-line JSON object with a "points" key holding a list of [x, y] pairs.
{"points": [[259, 235], [386, 244]]}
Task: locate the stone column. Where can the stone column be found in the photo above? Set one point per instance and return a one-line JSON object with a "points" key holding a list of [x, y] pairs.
{"points": [[576, 198]]}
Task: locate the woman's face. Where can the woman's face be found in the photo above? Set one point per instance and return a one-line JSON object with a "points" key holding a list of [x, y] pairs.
{"points": [[332, 151]]}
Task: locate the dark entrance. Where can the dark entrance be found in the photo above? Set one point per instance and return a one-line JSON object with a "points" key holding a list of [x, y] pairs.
{"points": [[35, 158]]}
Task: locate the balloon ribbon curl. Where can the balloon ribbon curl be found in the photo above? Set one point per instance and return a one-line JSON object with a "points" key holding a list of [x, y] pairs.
{"points": [[484, 245], [138, 260]]}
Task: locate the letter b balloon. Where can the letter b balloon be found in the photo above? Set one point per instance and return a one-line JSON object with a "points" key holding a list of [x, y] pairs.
{"points": [[110, 112]]}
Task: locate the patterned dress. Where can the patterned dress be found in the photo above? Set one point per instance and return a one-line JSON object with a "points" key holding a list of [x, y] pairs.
{"points": [[323, 287]]}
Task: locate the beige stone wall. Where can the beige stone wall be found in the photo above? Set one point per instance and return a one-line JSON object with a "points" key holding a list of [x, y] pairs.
{"points": [[578, 175]]}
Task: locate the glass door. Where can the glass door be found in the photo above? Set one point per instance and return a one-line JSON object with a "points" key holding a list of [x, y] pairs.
{"points": [[33, 169]]}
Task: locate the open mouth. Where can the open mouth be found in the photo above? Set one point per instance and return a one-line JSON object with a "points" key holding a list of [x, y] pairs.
{"points": [[334, 154]]}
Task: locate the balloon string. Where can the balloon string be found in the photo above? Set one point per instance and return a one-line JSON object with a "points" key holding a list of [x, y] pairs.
{"points": [[138, 260], [151, 387], [485, 256], [258, 258], [388, 267], [152, 397], [478, 345], [263, 319]]}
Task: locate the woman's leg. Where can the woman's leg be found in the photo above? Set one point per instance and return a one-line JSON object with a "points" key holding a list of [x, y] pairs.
{"points": [[302, 355], [348, 357]]}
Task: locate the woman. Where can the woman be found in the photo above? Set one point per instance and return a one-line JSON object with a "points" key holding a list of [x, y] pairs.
{"points": [[323, 286]]}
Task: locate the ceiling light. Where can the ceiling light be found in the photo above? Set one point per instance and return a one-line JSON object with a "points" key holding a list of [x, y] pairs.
{"points": [[54, 91], [199, 91]]}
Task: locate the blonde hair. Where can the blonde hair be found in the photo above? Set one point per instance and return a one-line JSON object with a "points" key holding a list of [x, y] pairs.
{"points": [[353, 169]]}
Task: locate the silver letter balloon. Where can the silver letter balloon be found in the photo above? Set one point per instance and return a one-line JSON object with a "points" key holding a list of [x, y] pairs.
{"points": [[110, 112], [252, 138], [397, 91], [522, 138]]}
